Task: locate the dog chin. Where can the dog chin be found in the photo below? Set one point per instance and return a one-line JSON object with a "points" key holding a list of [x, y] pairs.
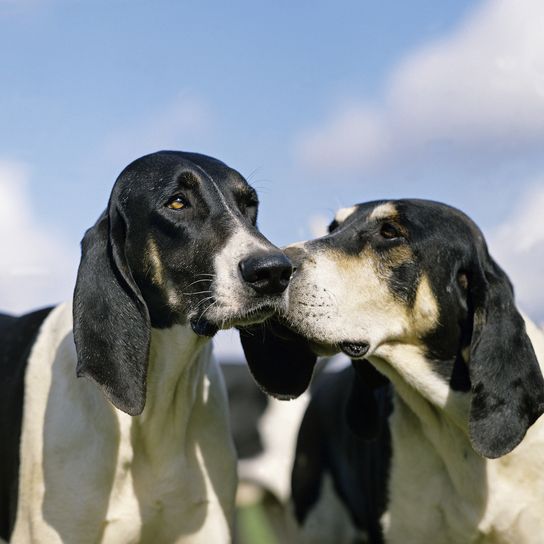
{"points": [[226, 320]]}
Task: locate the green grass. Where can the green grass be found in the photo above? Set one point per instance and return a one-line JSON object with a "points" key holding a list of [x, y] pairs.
{"points": [[253, 526]]}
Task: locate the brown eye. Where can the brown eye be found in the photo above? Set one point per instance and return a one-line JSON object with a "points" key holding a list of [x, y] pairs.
{"points": [[389, 231], [177, 203]]}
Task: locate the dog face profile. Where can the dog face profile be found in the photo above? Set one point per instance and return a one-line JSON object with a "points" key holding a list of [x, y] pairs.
{"points": [[178, 244], [411, 284]]}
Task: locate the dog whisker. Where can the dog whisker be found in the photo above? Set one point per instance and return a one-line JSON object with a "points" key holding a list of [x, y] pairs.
{"points": [[198, 293]]}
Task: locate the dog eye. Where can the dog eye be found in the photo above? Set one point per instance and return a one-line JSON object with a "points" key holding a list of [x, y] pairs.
{"points": [[177, 203], [390, 231]]}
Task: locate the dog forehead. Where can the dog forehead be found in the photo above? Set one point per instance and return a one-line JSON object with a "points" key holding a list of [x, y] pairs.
{"points": [[167, 169], [367, 212]]}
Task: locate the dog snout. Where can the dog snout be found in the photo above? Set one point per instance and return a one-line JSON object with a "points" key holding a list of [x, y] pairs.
{"points": [[296, 254], [268, 273]]}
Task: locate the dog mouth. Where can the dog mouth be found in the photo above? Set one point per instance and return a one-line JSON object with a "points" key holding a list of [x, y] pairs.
{"points": [[208, 326], [202, 327], [322, 346], [354, 350]]}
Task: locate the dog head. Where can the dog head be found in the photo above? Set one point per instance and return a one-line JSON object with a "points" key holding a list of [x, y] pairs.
{"points": [[178, 244], [415, 276]]}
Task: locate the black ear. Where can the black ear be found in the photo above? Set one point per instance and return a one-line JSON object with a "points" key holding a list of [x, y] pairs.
{"points": [[363, 415], [111, 320], [280, 360], [507, 384]]}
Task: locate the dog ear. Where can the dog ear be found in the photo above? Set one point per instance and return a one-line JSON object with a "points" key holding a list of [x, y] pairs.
{"points": [[280, 360], [506, 380], [111, 320], [363, 415]]}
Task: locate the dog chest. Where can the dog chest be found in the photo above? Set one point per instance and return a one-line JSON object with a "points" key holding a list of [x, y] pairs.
{"points": [[90, 473], [449, 494]]}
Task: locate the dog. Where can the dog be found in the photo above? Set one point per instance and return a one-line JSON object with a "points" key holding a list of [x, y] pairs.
{"points": [[114, 424], [441, 408]]}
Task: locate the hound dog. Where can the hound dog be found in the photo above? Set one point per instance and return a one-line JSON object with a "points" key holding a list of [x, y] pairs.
{"points": [[114, 424], [408, 290]]}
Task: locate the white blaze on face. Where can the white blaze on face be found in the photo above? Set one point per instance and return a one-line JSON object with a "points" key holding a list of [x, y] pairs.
{"points": [[230, 292]]}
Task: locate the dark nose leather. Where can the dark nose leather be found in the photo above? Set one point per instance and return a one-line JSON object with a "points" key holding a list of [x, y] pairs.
{"points": [[268, 273]]}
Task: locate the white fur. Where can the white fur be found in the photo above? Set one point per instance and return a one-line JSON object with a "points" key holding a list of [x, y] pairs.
{"points": [[442, 491], [231, 294], [278, 430], [90, 473]]}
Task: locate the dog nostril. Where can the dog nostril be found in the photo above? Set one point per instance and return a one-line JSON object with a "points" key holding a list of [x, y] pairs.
{"points": [[286, 275], [268, 273]]}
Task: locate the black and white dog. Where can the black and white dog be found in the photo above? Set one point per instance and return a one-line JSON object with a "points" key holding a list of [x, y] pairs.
{"points": [[139, 450], [446, 384]]}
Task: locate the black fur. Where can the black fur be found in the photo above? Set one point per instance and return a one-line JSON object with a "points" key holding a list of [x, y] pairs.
{"points": [[358, 462], [507, 385], [17, 335], [117, 300], [280, 361]]}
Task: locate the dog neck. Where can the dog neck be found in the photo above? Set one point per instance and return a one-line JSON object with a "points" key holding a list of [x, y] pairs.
{"points": [[177, 365], [429, 427], [425, 390], [422, 389]]}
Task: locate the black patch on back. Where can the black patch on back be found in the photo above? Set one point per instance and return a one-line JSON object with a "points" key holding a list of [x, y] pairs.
{"points": [[17, 336], [359, 468]]}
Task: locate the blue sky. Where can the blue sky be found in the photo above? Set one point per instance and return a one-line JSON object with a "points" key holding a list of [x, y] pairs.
{"points": [[320, 104]]}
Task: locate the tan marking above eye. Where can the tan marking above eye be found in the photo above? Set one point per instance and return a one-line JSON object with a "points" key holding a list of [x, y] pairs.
{"points": [[384, 211], [343, 213]]}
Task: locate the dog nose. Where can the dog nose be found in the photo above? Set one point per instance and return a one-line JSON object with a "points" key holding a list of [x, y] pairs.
{"points": [[267, 273]]}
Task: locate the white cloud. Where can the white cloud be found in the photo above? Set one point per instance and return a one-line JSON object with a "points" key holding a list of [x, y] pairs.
{"points": [[319, 225], [37, 266], [518, 246], [481, 88]]}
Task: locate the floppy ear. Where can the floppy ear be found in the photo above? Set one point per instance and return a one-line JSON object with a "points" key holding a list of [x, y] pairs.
{"points": [[363, 415], [111, 320], [280, 360], [507, 384]]}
